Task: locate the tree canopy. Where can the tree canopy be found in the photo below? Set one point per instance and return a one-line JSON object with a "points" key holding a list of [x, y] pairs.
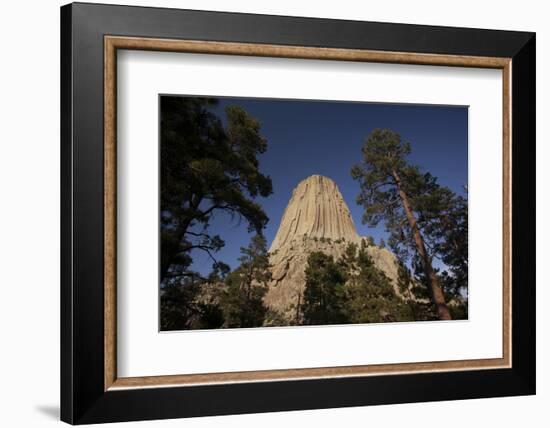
{"points": [[207, 166], [241, 299], [351, 289], [419, 214], [324, 291]]}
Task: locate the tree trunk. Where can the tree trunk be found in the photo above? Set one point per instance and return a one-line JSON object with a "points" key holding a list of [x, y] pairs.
{"points": [[435, 288]]}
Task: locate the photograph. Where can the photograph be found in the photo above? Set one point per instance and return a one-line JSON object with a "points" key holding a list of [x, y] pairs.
{"points": [[280, 212]]}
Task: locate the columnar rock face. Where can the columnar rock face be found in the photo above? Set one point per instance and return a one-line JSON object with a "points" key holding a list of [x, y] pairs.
{"points": [[316, 219], [316, 210]]}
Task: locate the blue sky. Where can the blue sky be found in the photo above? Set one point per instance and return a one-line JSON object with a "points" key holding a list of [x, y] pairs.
{"points": [[325, 137]]}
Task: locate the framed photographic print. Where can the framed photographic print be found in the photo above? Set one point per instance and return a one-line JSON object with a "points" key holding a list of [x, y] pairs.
{"points": [[265, 213]]}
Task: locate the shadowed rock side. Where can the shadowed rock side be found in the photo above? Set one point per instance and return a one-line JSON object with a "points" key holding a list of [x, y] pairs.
{"points": [[316, 219]]}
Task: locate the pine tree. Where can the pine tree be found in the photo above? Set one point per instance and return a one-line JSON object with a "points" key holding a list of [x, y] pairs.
{"points": [[206, 168], [188, 304], [449, 238], [241, 300], [369, 294], [397, 192], [323, 301]]}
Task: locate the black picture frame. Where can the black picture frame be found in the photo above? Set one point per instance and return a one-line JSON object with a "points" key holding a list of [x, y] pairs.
{"points": [[83, 398]]}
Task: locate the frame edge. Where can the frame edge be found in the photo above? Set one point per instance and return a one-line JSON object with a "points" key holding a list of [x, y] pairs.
{"points": [[524, 215], [81, 399], [113, 43], [66, 315]]}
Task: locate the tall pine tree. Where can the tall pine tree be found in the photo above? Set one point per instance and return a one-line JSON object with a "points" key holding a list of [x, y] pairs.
{"points": [[397, 192], [206, 167], [324, 293], [241, 299]]}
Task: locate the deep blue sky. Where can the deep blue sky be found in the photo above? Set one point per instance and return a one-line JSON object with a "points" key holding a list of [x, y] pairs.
{"points": [[325, 137]]}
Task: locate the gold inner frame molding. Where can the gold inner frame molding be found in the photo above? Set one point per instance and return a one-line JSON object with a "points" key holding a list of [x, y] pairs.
{"points": [[113, 43]]}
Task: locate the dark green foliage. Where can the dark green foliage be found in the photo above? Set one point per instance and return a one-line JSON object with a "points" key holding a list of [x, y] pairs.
{"points": [[421, 287], [276, 319], [182, 310], [424, 219], [324, 292], [383, 154], [404, 279], [241, 300], [206, 168], [176, 303], [460, 310], [450, 241], [222, 300], [350, 290], [370, 296], [417, 296]]}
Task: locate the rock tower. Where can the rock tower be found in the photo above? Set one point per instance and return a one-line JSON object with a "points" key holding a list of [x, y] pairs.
{"points": [[316, 219]]}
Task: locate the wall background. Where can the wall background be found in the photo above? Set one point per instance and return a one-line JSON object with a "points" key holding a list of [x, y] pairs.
{"points": [[29, 213]]}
